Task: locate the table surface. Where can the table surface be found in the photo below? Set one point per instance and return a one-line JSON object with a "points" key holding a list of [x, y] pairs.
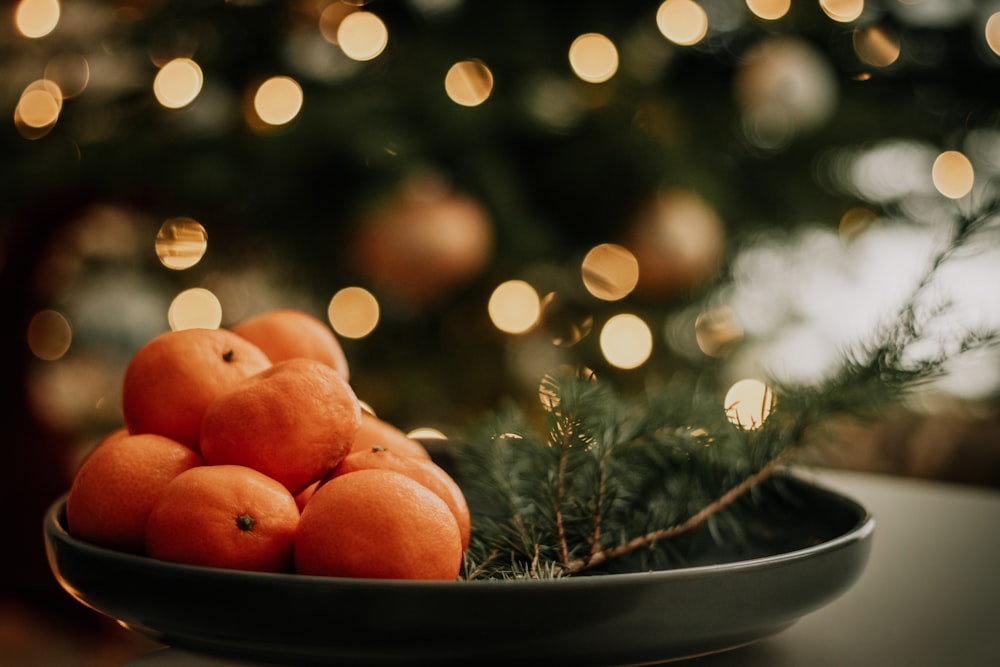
{"points": [[930, 594]]}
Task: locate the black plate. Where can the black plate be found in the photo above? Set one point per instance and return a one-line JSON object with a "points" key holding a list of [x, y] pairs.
{"points": [[613, 619]]}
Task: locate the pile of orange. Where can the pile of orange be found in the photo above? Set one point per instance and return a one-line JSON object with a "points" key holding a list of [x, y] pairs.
{"points": [[247, 448]]}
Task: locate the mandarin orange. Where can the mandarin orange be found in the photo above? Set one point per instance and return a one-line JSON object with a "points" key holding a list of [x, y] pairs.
{"points": [[377, 524], [294, 422], [172, 378], [224, 516], [376, 432], [116, 485], [424, 471], [286, 333]]}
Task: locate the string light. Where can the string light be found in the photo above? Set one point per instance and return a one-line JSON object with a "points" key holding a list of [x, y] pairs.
{"points": [[195, 308], [626, 341], [683, 22], [353, 312], [514, 307], [593, 57], [178, 83], [952, 174], [278, 100], [469, 82], [37, 18]]}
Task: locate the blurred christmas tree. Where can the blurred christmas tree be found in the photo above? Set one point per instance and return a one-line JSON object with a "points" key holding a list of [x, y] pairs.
{"points": [[714, 187]]}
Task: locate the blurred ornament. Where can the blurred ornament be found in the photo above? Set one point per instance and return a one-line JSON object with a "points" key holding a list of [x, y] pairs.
{"points": [[424, 242], [784, 86], [678, 240]]}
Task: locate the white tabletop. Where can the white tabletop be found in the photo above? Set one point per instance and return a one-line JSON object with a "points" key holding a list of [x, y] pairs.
{"points": [[930, 595]]}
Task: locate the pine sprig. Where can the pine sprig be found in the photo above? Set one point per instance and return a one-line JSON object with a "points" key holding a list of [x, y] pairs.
{"points": [[595, 481]]}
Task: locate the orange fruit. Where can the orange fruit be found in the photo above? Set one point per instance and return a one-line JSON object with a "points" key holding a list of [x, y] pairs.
{"points": [[375, 432], [424, 471], [224, 516], [377, 524], [170, 380], [294, 422], [116, 485], [286, 333]]}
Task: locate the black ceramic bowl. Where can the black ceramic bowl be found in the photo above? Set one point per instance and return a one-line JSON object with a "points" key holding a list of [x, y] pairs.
{"points": [[613, 619]]}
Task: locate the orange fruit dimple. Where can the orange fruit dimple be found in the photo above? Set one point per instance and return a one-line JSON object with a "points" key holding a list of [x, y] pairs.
{"points": [[377, 524], [424, 471], [375, 432], [224, 516], [170, 380], [294, 422], [286, 333], [116, 485]]}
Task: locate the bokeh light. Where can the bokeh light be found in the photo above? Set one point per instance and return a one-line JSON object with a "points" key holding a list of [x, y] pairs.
{"points": [[362, 35], [717, 331], [331, 17], [39, 106], [514, 307], [610, 271], [469, 82], [843, 11], [953, 174], [181, 243], [683, 22], [37, 18], [992, 32], [353, 312], [876, 46], [178, 83], [748, 403], [426, 433], [626, 341], [278, 100], [195, 308], [593, 57], [49, 335], [769, 10]]}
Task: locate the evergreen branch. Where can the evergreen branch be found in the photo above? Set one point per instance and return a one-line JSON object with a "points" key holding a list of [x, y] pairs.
{"points": [[691, 523]]}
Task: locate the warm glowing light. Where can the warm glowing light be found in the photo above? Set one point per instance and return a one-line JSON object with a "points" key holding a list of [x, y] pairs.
{"points": [[717, 331], [195, 308], [362, 35], [683, 22], [610, 272], [181, 243], [178, 83], [426, 433], [39, 105], [769, 10], [514, 307], [626, 341], [353, 312], [593, 57], [952, 174], [37, 18], [876, 46], [843, 11], [992, 32], [49, 335], [278, 100], [468, 82], [331, 17], [748, 403]]}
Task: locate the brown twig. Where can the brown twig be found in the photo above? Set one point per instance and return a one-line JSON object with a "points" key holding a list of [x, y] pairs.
{"points": [[687, 525]]}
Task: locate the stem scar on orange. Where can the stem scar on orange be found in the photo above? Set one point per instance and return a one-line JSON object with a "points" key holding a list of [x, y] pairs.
{"points": [[424, 471], [294, 422], [378, 432], [115, 487], [170, 380], [378, 524], [224, 516], [286, 333]]}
